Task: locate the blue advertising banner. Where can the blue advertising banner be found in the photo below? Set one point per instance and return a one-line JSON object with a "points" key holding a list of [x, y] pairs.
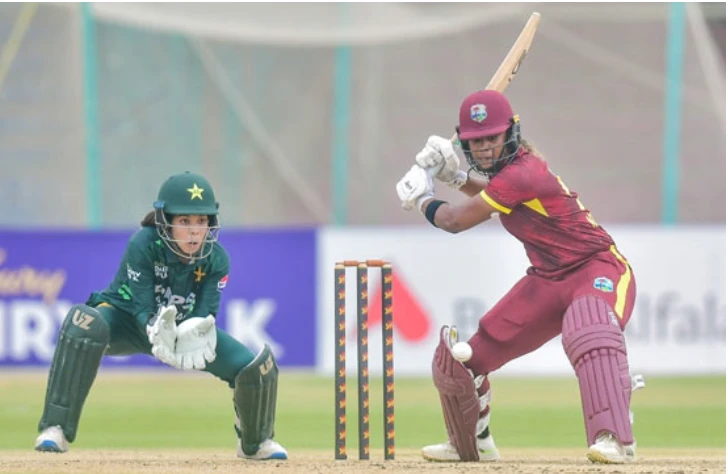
{"points": [[269, 297]]}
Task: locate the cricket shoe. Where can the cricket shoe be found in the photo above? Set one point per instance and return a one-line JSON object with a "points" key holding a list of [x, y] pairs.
{"points": [[52, 440], [446, 452], [608, 450], [268, 449]]}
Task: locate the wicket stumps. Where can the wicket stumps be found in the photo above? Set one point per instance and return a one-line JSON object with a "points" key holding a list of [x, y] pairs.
{"points": [[362, 336]]}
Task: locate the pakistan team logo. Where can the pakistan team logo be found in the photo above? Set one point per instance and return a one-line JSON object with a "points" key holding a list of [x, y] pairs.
{"points": [[478, 113]]}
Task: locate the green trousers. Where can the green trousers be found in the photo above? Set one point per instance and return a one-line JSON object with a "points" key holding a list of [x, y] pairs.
{"points": [[128, 337]]}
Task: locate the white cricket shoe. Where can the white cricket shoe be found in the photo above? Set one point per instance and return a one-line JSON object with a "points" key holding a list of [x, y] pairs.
{"points": [[446, 452], [52, 440], [607, 450], [268, 449]]}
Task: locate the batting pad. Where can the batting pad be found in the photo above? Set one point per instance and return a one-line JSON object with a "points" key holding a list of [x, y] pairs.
{"points": [[595, 346], [255, 393], [81, 344], [459, 400]]}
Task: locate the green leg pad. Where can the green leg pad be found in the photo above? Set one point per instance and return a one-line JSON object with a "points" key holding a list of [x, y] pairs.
{"points": [[256, 387], [81, 344]]}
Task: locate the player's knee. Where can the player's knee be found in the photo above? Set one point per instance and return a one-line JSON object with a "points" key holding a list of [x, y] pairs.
{"points": [[84, 321], [590, 324], [263, 369]]}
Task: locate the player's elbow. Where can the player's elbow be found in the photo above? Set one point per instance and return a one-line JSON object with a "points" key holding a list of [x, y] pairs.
{"points": [[457, 219], [450, 222]]}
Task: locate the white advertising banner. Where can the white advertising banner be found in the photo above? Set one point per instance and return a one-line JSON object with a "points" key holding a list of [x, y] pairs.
{"points": [[678, 325]]}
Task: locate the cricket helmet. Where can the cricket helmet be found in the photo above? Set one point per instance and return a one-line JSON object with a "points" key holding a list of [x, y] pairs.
{"points": [[486, 113], [186, 194]]}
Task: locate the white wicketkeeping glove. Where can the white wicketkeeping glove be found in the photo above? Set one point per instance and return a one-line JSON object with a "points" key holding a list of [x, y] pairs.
{"points": [[440, 155], [162, 334], [196, 343], [416, 185]]}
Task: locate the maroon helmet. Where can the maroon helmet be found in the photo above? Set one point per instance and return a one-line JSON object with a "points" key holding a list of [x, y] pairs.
{"points": [[483, 114]]}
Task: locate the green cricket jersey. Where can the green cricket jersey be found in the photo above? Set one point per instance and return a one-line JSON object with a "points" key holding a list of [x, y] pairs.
{"points": [[150, 276]]}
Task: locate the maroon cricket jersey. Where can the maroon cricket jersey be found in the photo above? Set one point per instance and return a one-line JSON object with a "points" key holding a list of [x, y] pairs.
{"points": [[556, 229]]}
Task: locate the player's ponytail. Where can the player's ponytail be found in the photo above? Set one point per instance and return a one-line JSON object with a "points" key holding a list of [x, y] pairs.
{"points": [[148, 220], [530, 148]]}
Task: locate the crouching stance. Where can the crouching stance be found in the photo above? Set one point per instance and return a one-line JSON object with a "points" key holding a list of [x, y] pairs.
{"points": [[578, 285], [163, 302]]}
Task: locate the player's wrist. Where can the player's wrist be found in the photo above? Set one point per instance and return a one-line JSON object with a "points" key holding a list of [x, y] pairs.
{"points": [[422, 200], [431, 210], [459, 180]]}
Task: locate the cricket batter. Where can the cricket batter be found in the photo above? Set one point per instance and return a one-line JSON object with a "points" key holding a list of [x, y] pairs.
{"points": [[579, 285], [163, 302]]}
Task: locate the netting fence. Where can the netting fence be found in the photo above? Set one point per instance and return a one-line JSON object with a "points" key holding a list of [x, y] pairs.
{"points": [[305, 114]]}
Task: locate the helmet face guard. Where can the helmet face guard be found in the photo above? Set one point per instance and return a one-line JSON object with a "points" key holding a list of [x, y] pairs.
{"points": [[165, 229], [510, 149], [186, 194]]}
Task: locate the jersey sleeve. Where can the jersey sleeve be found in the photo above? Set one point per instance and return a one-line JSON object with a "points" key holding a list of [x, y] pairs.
{"points": [[509, 188], [140, 281], [212, 287]]}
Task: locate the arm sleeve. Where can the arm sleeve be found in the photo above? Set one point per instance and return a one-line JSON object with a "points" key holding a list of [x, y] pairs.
{"points": [[140, 279], [211, 288]]}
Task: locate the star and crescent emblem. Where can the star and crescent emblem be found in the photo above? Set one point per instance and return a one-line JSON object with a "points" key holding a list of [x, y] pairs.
{"points": [[195, 192]]}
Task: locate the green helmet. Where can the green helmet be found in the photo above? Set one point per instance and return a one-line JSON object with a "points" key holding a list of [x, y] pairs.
{"points": [[186, 194]]}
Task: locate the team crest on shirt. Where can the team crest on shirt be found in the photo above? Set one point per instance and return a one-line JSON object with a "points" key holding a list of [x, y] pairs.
{"points": [[478, 112], [604, 284]]}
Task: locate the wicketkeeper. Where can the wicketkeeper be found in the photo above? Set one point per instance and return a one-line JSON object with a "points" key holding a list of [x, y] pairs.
{"points": [[163, 302], [579, 285]]}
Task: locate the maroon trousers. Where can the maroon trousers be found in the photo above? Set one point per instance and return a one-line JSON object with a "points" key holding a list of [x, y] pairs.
{"points": [[531, 313]]}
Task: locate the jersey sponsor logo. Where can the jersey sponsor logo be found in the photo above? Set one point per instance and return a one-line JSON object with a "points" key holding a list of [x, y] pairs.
{"points": [[604, 284], [222, 283], [132, 274], [165, 297], [160, 270], [478, 113]]}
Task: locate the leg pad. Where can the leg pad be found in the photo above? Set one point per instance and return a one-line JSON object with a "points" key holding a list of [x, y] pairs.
{"points": [[594, 343], [81, 344], [459, 400], [255, 393]]}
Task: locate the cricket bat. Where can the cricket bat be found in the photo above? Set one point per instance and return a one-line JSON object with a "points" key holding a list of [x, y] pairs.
{"points": [[511, 64], [505, 73]]}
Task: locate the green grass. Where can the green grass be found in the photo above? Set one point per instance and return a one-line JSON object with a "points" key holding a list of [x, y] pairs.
{"points": [[170, 410]]}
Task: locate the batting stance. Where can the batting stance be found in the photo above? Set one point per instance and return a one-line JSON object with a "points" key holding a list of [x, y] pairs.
{"points": [[578, 284], [163, 302]]}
